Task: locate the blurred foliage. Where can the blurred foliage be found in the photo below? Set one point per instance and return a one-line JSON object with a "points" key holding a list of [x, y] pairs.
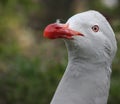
{"points": [[31, 66], [27, 84]]}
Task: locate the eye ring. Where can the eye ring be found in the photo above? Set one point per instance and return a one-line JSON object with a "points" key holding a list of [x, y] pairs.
{"points": [[95, 28]]}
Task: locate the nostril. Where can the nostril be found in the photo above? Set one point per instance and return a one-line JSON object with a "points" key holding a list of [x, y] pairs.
{"points": [[58, 27]]}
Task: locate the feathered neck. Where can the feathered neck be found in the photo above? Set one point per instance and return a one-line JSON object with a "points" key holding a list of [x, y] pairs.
{"points": [[83, 82]]}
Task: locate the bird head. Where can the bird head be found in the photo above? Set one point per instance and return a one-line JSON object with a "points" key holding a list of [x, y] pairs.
{"points": [[87, 35]]}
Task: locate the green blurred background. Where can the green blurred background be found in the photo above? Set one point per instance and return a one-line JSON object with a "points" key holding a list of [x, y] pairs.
{"points": [[31, 66]]}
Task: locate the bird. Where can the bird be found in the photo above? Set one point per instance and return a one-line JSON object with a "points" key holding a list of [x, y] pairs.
{"points": [[91, 46]]}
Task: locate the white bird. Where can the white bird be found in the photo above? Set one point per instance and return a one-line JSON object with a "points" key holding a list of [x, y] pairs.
{"points": [[91, 46]]}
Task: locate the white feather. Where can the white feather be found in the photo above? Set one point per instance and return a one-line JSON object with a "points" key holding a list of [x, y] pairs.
{"points": [[87, 77]]}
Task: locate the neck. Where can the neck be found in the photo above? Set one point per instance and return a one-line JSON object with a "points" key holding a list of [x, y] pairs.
{"points": [[83, 83]]}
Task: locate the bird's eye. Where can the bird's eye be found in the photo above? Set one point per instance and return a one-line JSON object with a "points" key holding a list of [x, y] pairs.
{"points": [[95, 28]]}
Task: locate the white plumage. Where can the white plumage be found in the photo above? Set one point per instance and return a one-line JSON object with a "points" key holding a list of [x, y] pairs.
{"points": [[87, 76]]}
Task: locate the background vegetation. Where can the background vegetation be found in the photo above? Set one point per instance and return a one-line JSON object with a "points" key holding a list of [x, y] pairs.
{"points": [[31, 66]]}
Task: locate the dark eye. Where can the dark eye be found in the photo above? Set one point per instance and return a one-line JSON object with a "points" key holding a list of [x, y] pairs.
{"points": [[95, 28]]}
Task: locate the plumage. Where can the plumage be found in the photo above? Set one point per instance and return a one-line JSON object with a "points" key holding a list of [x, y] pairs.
{"points": [[91, 46]]}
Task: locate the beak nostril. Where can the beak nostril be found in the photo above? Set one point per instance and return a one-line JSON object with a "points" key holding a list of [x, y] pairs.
{"points": [[58, 27]]}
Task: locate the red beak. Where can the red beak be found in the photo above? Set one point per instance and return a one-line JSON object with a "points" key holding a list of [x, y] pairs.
{"points": [[56, 30]]}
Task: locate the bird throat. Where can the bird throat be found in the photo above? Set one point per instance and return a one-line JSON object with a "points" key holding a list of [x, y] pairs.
{"points": [[83, 85], [83, 82]]}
